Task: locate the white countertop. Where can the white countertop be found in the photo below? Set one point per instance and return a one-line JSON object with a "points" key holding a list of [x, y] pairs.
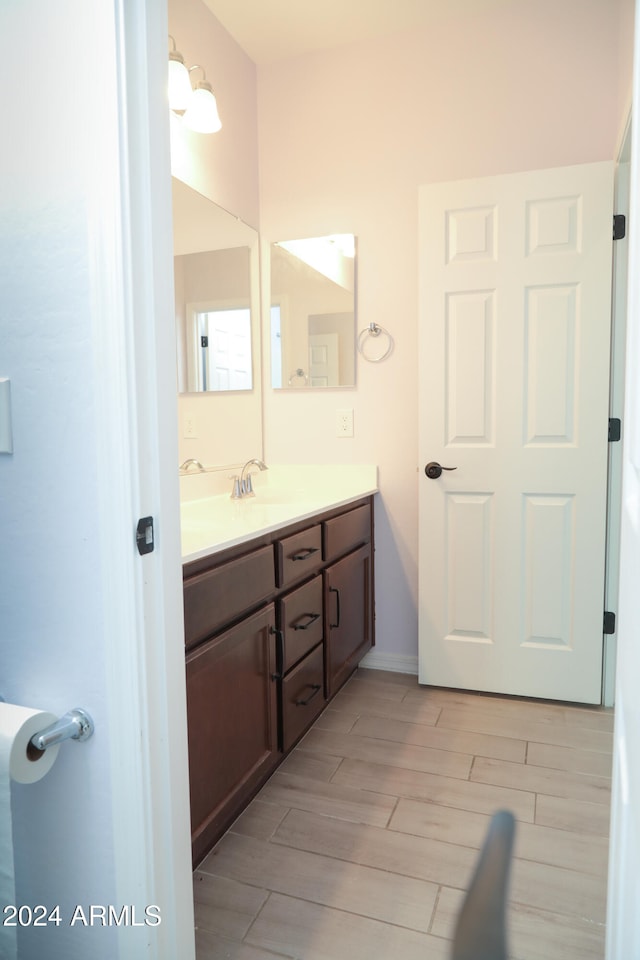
{"points": [[284, 495]]}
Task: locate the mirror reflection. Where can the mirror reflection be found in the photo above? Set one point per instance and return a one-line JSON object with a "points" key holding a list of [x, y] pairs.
{"points": [[313, 284], [215, 300]]}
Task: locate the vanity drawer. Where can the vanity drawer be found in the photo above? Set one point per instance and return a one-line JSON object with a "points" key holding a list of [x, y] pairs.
{"points": [[219, 596], [346, 532], [302, 697], [299, 556], [301, 620]]}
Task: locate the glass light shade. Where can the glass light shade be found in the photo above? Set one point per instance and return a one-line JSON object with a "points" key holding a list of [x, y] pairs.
{"points": [[180, 91], [202, 113]]}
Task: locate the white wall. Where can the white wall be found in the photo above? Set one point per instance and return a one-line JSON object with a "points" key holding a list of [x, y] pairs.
{"points": [[346, 137], [72, 616], [51, 594]]}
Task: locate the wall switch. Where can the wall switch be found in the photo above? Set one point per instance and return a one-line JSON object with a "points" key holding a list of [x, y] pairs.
{"points": [[189, 431], [344, 423], [6, 430]]}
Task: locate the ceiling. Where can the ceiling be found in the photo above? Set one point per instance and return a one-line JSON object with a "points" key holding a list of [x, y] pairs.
{"points": [[270, 30]]}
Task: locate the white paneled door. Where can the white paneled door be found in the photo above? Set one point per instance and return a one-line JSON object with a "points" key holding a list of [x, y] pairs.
{"points": [[515, 313]]}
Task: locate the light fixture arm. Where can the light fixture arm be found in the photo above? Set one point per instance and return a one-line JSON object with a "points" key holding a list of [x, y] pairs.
{"points": [[173, 52], [200, 84]]}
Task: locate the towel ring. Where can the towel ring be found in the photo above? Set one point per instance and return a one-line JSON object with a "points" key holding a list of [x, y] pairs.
{"points": [[298, 374], [374, 330]]}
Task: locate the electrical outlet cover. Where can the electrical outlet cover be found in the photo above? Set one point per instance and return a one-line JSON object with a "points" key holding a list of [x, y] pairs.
{"points": [[344, 423]]}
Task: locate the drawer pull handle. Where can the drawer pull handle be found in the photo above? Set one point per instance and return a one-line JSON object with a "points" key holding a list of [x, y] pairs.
{"points": [[305, 626], [315, 687], [333, 626], [304, 554]]}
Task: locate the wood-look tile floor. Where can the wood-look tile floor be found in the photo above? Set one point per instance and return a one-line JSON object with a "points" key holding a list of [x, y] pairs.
{"points": [[362, 843]]}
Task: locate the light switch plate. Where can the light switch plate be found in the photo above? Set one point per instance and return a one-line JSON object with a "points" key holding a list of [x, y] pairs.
{"points": [[6, 429]]}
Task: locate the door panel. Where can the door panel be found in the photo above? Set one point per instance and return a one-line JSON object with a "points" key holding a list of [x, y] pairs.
{"points": [[469, 558], [514, 358], [470, 337]]}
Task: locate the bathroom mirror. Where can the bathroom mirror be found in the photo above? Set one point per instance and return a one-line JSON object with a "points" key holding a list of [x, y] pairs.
{"points": [[313, 312], [216, 272], [215, 275]]}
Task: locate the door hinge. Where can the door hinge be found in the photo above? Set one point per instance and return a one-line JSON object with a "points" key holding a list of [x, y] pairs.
{"points": [[619, 226], [144, 536], [609, 622], [615, 429], [204, 341]]}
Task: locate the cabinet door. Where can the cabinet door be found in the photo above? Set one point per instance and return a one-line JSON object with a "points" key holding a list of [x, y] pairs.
{"points": [[232, 724], [348, 615]]}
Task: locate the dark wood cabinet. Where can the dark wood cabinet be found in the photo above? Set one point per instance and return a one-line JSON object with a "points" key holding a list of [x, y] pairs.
{"points": [[273, 629], [232, 723], [348, 616]]}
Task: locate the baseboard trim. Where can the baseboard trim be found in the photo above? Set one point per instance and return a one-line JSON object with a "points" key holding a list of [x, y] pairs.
{"points": [[396, 662]]}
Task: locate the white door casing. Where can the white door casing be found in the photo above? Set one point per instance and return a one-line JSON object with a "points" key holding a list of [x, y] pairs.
{"points": [[515, 306], [616, 406], [623, 915]]}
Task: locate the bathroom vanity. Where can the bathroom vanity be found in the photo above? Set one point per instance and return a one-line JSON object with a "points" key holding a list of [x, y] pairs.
{"points": [[276, 619]]}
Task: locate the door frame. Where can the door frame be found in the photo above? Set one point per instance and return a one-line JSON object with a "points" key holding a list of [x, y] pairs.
{"points": [[616, 408], [135, 335]]}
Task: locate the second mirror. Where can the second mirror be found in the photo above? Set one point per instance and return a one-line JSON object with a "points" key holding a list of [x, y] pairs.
{"points": [[313, 312]]}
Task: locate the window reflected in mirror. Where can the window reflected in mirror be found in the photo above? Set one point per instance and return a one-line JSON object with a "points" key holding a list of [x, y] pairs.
{"points": [[313, 312]]}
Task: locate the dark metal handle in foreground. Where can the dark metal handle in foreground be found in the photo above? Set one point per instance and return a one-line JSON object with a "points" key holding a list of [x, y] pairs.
{"points": [[312, 617], [315, 687], [304, 554], [433, 470]]}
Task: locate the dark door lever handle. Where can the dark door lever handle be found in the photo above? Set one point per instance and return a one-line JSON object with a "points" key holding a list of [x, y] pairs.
{"points": [[433, 470]]}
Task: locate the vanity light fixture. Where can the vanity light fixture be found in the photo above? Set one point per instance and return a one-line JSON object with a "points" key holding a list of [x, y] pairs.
{"points": [[196, 103], [179, 83], [202, 113]]}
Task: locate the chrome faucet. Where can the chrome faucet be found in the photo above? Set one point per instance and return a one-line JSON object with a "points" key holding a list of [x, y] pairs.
{"points": [[191, 463], [242, 485]]}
